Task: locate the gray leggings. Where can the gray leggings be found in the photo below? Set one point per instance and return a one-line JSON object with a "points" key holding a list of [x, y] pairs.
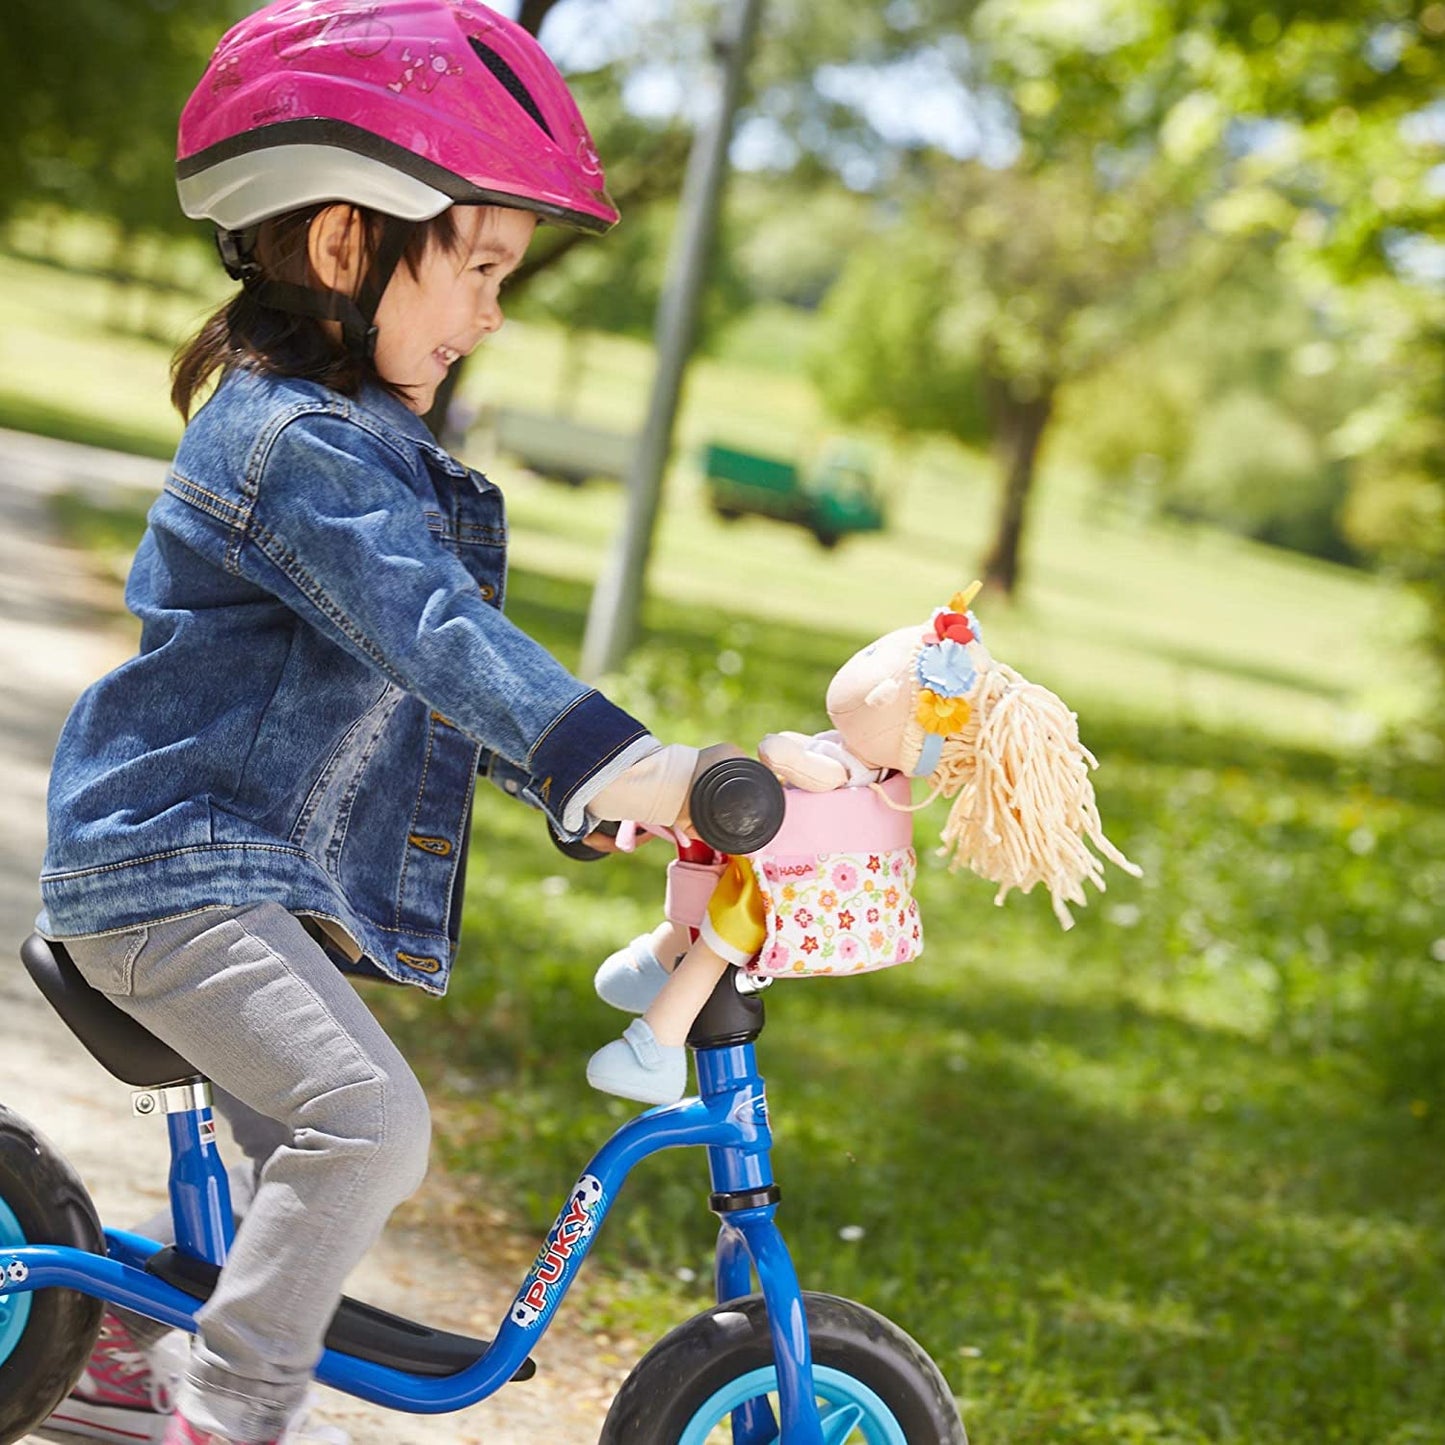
{"points": [[334, 1121]]}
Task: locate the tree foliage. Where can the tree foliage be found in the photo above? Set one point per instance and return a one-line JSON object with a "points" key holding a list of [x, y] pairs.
{"points": [[999, 288], [1148, 143], [93, 93], [1229, 414]]}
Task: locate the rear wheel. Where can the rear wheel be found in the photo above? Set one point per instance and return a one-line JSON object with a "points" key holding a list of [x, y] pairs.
{"points": [[875, 1385], [46, 1336]]}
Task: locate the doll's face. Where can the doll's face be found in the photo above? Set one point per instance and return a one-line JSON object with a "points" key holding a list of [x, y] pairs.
{"points": [[871, 699]]}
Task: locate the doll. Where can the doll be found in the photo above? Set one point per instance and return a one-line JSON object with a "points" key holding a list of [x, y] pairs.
{"points": [[832, 893]]}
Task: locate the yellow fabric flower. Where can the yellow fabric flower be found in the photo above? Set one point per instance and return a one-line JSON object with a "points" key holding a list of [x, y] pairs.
{"points": [[935, 714], [960, 601]]}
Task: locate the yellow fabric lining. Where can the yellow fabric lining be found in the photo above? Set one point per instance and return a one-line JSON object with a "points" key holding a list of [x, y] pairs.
{"points": [[736, 922]]}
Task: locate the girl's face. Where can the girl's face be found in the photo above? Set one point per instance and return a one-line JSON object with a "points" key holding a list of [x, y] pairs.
{"points": [[427, 321]]}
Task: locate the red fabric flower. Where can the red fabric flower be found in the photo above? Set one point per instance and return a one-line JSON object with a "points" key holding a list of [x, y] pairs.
{"points": [[952, 627], [810, 944]]}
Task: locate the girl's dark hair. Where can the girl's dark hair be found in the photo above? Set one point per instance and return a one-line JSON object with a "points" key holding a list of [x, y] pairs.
{"points": [[246, 333]]}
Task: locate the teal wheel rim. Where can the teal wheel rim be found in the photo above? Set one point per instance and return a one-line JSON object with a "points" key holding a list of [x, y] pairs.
{"points": [[14, 1308], [846, 1405]]}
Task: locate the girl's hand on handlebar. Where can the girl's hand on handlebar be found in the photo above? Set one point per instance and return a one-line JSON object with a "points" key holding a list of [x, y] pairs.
{"points": [[656, 789]]}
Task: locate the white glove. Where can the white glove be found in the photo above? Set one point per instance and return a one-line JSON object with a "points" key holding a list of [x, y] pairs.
{"points": [[658, 788], [653, 790]]}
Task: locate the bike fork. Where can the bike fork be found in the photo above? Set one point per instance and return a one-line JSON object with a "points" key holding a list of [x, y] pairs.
{"points": [[750, 1239]]}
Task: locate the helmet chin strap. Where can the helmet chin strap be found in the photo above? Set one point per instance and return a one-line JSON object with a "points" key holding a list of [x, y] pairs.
{"points": [[355, 316]]}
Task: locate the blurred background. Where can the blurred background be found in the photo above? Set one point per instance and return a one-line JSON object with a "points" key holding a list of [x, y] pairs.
{"points": [[1135, 308]]}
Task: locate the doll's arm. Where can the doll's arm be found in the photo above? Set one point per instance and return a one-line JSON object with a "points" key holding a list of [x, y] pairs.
{"points": [[817, 763]]}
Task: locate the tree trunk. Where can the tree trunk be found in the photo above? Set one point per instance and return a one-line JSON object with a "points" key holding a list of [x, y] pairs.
{"points": [[570, 372], [533, 13], [1018, 430]]}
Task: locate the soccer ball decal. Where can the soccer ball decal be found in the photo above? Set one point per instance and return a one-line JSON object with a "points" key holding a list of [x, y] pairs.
{"points": [[588, 1192]]}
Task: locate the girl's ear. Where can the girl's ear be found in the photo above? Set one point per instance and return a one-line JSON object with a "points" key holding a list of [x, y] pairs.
{"points": [[334, 248]]}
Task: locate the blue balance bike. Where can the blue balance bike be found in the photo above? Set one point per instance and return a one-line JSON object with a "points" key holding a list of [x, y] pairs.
{"points": [[776, 1365]]}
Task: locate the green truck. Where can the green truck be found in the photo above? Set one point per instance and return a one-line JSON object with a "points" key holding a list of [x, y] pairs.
{"points": [[835, 496]]}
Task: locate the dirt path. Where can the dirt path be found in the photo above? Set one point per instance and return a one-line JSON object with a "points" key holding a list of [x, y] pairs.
{"points": [[57, 633]]}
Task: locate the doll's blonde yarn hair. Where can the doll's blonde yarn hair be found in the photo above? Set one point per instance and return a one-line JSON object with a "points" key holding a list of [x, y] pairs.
{"points": [[1023, 803]]}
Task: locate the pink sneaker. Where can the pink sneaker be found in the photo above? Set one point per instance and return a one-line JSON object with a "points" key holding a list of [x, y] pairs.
{"points": [[182, 1432], [302, 1431], [126, 1392]]}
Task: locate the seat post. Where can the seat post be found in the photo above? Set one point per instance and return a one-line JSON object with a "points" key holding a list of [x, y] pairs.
{"points": [[199, 1188]]}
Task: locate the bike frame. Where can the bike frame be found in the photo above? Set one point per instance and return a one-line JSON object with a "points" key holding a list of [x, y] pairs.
{"points": [[728, 1118]]}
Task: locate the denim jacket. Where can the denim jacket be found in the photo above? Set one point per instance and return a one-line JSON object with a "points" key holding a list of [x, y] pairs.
{"points": [[323, 669]]}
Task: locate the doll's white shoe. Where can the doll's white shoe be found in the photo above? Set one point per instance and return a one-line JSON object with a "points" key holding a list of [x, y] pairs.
{"points": [[631, 978], [637, 1067]]}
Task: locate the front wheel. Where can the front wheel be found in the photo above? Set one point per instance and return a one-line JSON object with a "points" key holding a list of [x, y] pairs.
{"points": [[875, 1386], [45, 1336]]}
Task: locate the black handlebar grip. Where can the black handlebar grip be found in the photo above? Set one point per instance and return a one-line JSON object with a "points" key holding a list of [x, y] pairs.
{"points": [[579, 851], [737, 806]]}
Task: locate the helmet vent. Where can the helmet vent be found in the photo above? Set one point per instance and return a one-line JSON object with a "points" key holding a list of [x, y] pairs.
{"points": [[511, 81]]}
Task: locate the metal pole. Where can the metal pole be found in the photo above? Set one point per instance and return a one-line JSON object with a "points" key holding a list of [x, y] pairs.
{"points": [[617, 598]]}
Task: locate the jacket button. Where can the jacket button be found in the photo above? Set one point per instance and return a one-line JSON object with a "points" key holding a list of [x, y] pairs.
{"points": [[488, 591]]}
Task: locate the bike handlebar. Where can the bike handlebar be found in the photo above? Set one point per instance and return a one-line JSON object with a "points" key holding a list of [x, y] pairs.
{"points": [[736, 806]]}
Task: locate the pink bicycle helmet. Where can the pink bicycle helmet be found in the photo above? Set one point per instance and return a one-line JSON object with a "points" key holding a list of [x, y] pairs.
{"points": [[403, 106]]}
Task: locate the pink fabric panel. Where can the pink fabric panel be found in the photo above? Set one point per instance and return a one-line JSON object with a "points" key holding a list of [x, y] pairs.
{"points": [[689, 886], [845, 820]]}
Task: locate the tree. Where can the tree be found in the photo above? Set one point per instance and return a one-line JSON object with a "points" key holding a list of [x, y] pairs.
{"points": [[1301, 126], [997, 290], [1354, 87], [1230, 413], [93, 91]]}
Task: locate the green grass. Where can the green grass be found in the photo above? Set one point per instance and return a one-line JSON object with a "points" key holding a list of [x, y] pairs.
{"points": [[1179, 626], [1173, 1177]]}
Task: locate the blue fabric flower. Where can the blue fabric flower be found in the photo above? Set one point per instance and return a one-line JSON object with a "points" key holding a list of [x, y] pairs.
{"points": [[946, 669]]}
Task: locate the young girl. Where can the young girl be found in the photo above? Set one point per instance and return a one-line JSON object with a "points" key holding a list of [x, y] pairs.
{"points": [[280, 782]]}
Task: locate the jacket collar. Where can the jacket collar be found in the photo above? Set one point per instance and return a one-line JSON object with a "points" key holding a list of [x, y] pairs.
{"points": [[399, 417]]}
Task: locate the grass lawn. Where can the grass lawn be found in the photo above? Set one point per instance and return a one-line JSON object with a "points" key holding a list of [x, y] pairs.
{"points": [[1173, 625], [1173, 1177]]}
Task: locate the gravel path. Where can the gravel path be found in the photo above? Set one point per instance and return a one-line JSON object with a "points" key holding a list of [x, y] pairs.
{"points": [[58, 631]]}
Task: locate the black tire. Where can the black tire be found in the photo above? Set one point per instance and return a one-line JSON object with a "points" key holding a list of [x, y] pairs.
{"points": [[677, 1377], [828, 540], [51, 1206]]}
